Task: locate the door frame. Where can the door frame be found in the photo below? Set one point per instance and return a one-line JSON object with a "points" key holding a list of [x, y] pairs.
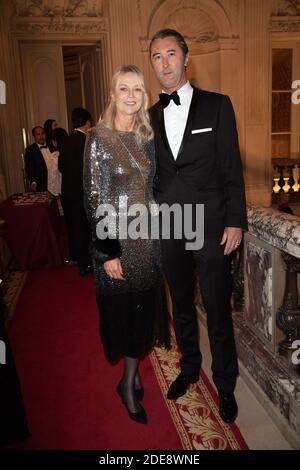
{"points": [[100, 91], [60, 41], [84, 31]]}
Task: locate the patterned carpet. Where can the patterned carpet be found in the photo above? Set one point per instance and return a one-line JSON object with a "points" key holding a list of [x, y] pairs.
{"points": [[14, 286], [195, 415]]}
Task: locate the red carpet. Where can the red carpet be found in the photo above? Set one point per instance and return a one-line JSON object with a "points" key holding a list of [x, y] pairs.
{"points": [[69, 388]]}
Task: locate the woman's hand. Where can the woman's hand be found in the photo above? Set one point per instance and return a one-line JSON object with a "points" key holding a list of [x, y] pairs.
{"points": [[113, 269]]}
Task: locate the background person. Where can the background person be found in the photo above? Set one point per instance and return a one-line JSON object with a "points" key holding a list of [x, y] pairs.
{"points": [[49, 126], [35, 158], [71, 166]]}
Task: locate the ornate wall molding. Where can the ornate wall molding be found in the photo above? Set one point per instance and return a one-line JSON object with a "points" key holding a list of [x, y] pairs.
{"points": [[62, 8], [204, 23], [41, 26], [285, 24], [286, 8], [58, 16], [202, 29], [198, 20]]}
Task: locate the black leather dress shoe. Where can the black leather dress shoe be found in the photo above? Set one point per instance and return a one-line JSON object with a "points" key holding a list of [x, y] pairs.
{"points": [[180, 386], [139, 416], [228, 408]]}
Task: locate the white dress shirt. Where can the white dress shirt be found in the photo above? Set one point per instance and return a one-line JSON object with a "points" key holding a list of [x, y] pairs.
{"points": [[175, 117], [54, 175]]}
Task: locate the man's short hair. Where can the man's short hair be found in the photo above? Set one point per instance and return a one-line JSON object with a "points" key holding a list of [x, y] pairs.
{"points": [[34, 129], [166, 33], [79, 117]]}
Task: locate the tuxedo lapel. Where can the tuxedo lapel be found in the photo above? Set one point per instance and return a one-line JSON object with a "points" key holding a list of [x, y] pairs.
{"points": [[162, 129], [189, 123]]}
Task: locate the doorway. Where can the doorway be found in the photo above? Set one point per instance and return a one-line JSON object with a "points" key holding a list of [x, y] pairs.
{"points": [[83, 77], [58, 77]]}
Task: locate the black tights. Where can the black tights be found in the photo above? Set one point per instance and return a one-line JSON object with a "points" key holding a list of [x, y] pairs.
{"points": [[131, 381]]}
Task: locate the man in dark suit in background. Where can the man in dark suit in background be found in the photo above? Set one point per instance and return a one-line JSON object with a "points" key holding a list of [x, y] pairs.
{"points": [[198, 162], [70, 164], [35, 161]]}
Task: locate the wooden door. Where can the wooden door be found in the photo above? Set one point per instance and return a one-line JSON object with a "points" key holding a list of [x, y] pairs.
{"points": [[44, 84]]}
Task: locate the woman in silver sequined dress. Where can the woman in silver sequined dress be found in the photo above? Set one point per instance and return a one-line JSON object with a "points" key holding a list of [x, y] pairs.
{"points": [[119, 171]]}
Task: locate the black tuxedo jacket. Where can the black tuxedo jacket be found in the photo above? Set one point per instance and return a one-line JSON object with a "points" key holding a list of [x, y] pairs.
{"points": [[35, 167], [208, 167], [70, 164]]}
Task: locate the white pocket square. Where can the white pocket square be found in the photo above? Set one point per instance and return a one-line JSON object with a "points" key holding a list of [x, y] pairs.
{"points": [[198, 131]]}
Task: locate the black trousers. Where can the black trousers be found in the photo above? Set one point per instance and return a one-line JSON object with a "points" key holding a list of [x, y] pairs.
{"points": [[71, 242], [215, 286], [79, 232]]}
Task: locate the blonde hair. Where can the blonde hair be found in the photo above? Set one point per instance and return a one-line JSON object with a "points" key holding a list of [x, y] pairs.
{"points": [[142, 128]]}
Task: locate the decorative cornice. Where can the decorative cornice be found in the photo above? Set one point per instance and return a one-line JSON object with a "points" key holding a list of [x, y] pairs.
{"points": [[59, 25], [285, 23], [286, 8], [60, 8]]}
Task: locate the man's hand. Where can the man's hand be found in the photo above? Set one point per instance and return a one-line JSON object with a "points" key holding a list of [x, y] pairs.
{"points": [[113, 269], [232, 236], [33, 186]]}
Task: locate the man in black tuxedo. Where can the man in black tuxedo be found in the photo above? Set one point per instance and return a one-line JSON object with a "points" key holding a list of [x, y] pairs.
{"points": [[70, 164], [198, 162], [35, 161]]}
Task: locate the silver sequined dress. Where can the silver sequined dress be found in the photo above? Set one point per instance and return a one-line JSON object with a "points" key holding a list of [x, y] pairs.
{"points": [[133, 313]]}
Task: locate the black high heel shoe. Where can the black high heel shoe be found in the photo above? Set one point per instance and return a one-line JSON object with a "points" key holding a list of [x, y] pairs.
{"points": [[139, 393], [139, 416]]}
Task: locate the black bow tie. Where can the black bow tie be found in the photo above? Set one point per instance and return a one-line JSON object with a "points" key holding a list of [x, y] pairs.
{"points": [[165, 98], [43, 147]]}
